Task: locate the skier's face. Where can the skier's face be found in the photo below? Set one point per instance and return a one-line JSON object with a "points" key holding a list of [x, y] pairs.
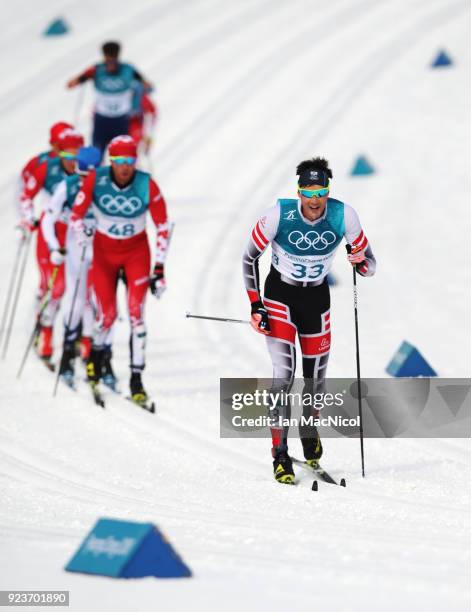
{"points": [[123, 173], [68, 163], [313, 208]]}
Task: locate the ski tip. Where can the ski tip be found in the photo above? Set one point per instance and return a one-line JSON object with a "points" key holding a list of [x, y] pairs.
{"points": [[315, 486], [343, 482]]}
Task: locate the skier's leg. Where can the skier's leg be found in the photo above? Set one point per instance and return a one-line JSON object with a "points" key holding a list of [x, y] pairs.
{"points": [[314, 336], [282, 349], [137, 271], [106, 266]]}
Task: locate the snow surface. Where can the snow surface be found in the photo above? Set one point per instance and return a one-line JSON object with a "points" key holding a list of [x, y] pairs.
{"points": [[247, 89]]}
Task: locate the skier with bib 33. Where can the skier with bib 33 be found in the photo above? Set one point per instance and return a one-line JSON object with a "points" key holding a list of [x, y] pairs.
{"points": [[304, 234]]}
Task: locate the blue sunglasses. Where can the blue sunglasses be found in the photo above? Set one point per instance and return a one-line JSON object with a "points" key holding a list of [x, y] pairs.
{"points": [[314, 193], [121, 159]]}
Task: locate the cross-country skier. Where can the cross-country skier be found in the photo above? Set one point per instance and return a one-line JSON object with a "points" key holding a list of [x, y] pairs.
{"points": [[121, 197], [37, 160], [143, 117], [46, 177], [78, 311], [113, 81], [304, 234]]}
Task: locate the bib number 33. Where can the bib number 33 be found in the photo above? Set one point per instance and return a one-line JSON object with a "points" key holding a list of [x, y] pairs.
{"points": [[304, 272], [121, 230]]}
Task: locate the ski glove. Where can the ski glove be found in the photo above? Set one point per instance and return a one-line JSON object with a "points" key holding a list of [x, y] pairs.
{"points": [[259, 308], [57, 257], [157, 281], [82, 237]]}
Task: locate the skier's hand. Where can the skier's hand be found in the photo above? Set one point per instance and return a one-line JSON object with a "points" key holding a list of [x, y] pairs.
{"points": [[81, 235], [25, 227], [259, 319], [57, 257], [72, 83], [157, 281], [356, 258]]}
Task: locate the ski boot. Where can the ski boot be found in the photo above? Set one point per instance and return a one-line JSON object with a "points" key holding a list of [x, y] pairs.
{"points": [[312, 448], [44, 346], [283, 467], [94, 366], [66, 368], [107, 374], [138, 393]]}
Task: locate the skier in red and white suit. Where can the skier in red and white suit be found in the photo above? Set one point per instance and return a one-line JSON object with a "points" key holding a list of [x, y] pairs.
{"points": [[46, 177], [121, 196]]}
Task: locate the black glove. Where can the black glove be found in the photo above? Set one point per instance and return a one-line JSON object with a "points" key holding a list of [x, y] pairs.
{"points": [[157, 280], [259, 308]]}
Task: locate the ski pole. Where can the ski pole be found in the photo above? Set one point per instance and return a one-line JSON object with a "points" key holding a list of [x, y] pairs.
{"points": [[222, 319], [360, 412], [17, 296], [44, 302], [11, 285], [72, 306]]}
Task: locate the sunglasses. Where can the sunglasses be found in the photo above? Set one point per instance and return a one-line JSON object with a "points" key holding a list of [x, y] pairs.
{"points": [[314, 193], [67, 155], [121, 159]]}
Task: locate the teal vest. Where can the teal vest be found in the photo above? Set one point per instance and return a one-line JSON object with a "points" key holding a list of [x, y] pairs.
{"points": [[127, 203], [298, 237], [55, 174], [113, 82]]}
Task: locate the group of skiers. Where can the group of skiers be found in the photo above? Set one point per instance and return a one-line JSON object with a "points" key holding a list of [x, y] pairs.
{"points": [[92, 233], [92, 229]]}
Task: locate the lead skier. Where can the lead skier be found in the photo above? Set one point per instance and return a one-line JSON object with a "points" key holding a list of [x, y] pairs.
{"points": [[304, 234], [121, 197], [113, 81]]}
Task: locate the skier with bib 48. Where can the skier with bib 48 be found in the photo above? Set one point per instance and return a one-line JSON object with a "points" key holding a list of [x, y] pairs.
{"points": [[304, 234], [121, 197]]}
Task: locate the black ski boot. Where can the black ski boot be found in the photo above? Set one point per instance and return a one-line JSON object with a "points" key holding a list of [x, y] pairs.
{"points": [[283, 467], [312, 448], [94, 366], [138, 393], [107, 374], [66, 367]]}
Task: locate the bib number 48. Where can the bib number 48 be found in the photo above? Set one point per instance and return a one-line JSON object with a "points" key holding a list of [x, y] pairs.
{"points": [[304, 272], [121, 230]]}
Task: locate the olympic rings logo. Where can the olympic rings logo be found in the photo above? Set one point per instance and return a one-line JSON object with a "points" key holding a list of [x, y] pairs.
{"points": [[120, 204], [112, 84], [312, 239]]}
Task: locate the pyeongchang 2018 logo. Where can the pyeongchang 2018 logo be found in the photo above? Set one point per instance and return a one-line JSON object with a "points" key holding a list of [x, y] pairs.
{"points": [[312, 240]]}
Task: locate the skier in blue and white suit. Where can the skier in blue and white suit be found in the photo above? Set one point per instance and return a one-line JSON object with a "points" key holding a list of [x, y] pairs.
{"points": [[305, 234]]}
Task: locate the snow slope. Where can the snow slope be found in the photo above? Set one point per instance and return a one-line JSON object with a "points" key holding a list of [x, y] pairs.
{"points": [[246, 90]]}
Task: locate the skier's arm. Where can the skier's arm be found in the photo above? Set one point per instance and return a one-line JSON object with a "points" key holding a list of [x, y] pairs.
{"points": [[262, 234], [84, 198], [362, 254], [52, 214], [32, 187], [158, 212], [87, 74]]}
